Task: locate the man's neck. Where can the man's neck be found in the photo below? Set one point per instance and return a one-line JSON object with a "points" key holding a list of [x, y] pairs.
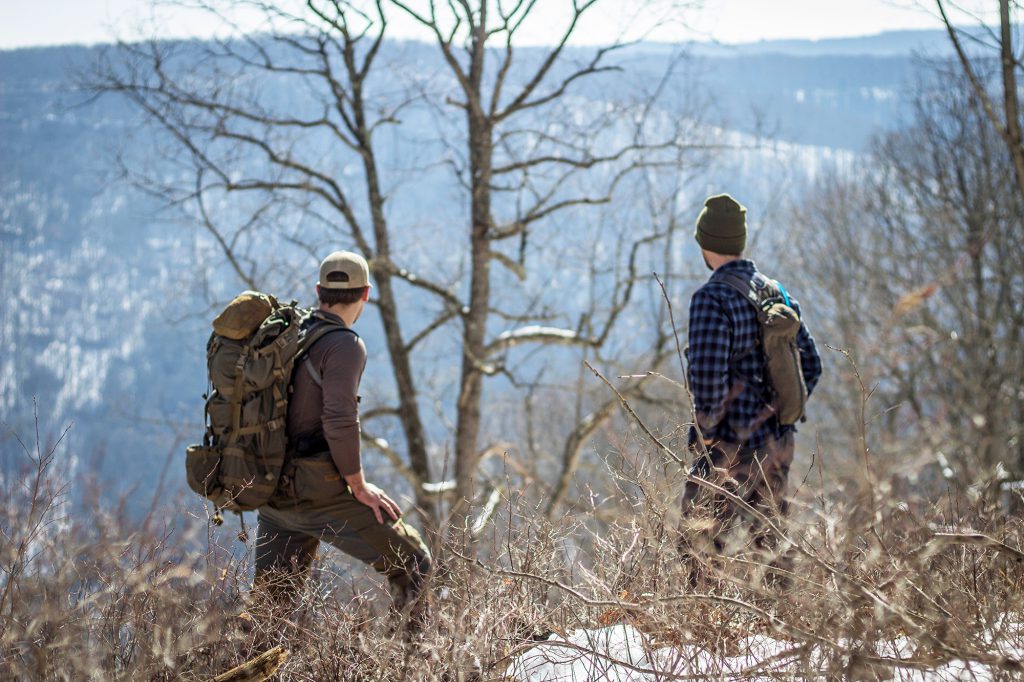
{"points": [[347, 313]]}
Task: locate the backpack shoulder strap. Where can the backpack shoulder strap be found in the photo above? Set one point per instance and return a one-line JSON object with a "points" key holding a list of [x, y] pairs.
{"points": [[755, 290], [747, 287], [320, 329], [741, 284], [753, 294]]}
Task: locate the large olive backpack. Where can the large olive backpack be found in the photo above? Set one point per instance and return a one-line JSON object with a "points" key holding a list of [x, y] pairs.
{"points": [[780, 325], [256, 342]]}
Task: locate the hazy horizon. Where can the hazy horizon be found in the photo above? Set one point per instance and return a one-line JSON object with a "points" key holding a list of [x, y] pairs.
{"points": [[729, 22]]}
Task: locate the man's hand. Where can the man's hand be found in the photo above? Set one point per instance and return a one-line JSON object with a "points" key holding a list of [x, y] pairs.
{"points": [[373, 497]]}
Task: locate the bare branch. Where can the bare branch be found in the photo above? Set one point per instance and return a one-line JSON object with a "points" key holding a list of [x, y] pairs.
{"points": [[438, 322], [415, 280], [383, 447]]}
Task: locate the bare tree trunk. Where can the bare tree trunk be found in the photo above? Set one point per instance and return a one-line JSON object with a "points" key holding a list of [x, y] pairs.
{"points": [[408, 408], [481, 146], [409, 411], [1011, 102]]}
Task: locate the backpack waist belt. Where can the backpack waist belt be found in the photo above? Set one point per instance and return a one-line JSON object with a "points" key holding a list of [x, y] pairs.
{"points": [[305, 447]]}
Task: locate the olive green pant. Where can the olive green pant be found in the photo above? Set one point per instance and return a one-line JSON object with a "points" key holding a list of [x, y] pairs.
{"points": [[299, 517]]}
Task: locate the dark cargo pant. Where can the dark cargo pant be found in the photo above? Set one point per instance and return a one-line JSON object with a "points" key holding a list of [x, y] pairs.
{"points": [[311, 505], [758, 477]]}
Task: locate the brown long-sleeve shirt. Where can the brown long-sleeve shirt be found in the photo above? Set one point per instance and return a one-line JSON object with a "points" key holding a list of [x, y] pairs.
{"points": [[332, 409]]}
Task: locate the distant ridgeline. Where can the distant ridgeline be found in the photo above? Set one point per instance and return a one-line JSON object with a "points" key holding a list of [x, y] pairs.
{"points": [[107, 299]]}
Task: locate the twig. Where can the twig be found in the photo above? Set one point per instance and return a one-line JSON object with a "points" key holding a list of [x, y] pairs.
{"points": [[628, 408], [975, 539]]}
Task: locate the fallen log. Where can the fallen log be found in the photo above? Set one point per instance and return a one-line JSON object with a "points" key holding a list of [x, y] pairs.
{"points": [[257, 669]]}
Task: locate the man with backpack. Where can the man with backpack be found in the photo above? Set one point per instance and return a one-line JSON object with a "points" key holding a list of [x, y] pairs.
{"points": [[752, 363], [322, 494]]}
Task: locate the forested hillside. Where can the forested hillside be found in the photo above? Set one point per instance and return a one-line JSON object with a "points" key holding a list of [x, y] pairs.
{"points": [[109, 291]]}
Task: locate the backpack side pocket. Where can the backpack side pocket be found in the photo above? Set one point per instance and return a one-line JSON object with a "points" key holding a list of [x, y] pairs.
{"points": [[202, 471]]}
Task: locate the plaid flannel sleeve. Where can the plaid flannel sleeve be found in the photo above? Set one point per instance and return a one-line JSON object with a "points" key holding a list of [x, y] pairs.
{"points": [[710, 338], [810, 361]]}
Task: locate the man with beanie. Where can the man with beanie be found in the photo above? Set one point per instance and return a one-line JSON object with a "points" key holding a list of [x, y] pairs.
{"points": [[740, 441], [322, 494]]}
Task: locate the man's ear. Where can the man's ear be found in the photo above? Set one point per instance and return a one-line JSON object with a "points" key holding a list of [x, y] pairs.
{"points": [[366, 294], [318, 292]]}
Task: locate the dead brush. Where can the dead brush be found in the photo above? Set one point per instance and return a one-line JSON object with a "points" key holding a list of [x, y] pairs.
{"points": [[871, 592]]}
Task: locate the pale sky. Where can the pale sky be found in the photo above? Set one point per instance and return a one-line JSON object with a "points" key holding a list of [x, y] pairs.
{"points": [[54, 22]]}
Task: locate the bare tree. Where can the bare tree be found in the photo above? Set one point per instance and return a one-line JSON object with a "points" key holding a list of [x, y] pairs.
{"points": [[499, 112], [1004, 116], [524, 164], [191, 92], [927, 304]]}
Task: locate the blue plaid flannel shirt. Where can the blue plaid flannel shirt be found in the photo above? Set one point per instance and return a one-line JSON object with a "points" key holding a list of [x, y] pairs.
{"points": [[730, 398]]}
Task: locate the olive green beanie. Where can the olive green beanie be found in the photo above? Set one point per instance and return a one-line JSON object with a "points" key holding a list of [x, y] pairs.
{"points": [[722, 226]]}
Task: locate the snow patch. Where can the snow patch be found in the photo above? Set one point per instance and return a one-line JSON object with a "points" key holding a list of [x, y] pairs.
{"points": [[439, 487], [621, 653], [537, 330]]}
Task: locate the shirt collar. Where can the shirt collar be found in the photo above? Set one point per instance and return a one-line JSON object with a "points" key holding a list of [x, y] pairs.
{"points": [[741, 265]]}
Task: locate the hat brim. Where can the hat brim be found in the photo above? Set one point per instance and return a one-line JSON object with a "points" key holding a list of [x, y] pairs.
{"points": [[324, 286]]}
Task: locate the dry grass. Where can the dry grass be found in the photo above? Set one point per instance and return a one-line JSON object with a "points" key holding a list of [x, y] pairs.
{"points": [[878, 588]]}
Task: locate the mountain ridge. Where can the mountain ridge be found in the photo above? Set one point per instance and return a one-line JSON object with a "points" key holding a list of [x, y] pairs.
{"points": [[896, 42]]}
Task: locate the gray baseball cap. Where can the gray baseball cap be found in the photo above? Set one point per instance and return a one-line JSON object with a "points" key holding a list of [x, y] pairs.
{"points": [[344, 270]]}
